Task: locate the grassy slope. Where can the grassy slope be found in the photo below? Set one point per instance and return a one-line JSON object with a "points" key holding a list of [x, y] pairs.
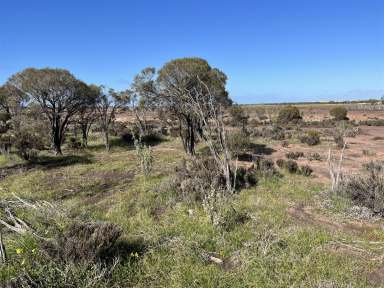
{"points": [[274, 250]]}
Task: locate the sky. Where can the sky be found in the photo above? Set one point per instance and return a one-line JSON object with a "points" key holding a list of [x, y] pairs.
{"points": [[271, 50]]}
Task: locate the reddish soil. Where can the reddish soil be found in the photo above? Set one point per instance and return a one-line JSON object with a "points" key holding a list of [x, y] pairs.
{"points": [[354, 156]]}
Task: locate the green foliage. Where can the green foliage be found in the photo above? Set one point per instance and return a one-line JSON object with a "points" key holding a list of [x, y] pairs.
{"points": [[289, 114], [294, 155], [292, 166], [305, 170], [339, 113], [145, 156]]}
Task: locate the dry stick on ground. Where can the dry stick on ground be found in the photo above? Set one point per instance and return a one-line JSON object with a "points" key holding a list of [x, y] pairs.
{"points": [[335, 172], [15, 224], [3, 255]]}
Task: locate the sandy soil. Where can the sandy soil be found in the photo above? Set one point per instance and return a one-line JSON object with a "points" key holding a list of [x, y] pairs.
{"points": [[354, 157]]}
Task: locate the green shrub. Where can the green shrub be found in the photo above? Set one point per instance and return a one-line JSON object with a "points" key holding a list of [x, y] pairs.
{"points": [[339, 113], [292, 166], [289, 114], [281, 163], [311, 138], [305, 170], [294, 155], [74, 143]]}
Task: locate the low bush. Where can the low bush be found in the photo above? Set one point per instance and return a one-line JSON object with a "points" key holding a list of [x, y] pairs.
{"points": [[245, 178], [281, 163], [239, 117], [292, 166], [85, 242], [314, 156], [238, 142], [365, 190], [273, 132], [289, 114], [311, 138], [339, 139], [265, 167], [74, 143], [339, 113], [294, 155], [372, 122], [305, 170], [232, 218]]}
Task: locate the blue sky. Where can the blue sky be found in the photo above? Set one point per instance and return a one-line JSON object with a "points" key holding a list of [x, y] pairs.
{"points": [[271, 50]]}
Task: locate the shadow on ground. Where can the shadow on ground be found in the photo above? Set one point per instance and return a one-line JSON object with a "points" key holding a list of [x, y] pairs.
{"points": [[261, 149], [49, 162]]}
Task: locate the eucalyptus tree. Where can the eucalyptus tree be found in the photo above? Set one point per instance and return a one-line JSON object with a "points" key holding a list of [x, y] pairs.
{"points": [[58, 93], [108, 101], [87, 115], [178, 81]]}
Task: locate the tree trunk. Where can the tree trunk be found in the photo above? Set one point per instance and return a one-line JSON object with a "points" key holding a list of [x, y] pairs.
{"points": [[188, 136], [106, 140], [84, 132], [56, 136]]}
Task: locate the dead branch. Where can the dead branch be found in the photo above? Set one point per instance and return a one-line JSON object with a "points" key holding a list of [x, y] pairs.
{"points": [[335, 171], [3, 255]]}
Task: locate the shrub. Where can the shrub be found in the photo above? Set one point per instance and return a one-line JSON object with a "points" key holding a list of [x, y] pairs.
{"points": [[339, 139], [265, 167], [289, 114], [274, 132], [368, 153], [74, 143], [245, 178], [365, 190], [232, 218], [314, 156], [85, 242], [281, 163], [311, 138], [294, 155], [238, 142], [306, 170], [375, 166], [291, 166], [238, 116], [373, 122], [339, 113], [145, 157], [194, 178]]}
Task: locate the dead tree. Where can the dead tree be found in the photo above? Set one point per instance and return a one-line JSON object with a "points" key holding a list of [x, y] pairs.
{"points": [[335, 169], [3, 255], [205, 107]]}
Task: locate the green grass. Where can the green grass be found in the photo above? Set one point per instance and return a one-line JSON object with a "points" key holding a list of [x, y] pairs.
{"points": [[273, 250]]}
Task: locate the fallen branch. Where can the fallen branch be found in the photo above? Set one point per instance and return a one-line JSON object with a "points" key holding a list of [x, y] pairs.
{"points": [[3, 255]]}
